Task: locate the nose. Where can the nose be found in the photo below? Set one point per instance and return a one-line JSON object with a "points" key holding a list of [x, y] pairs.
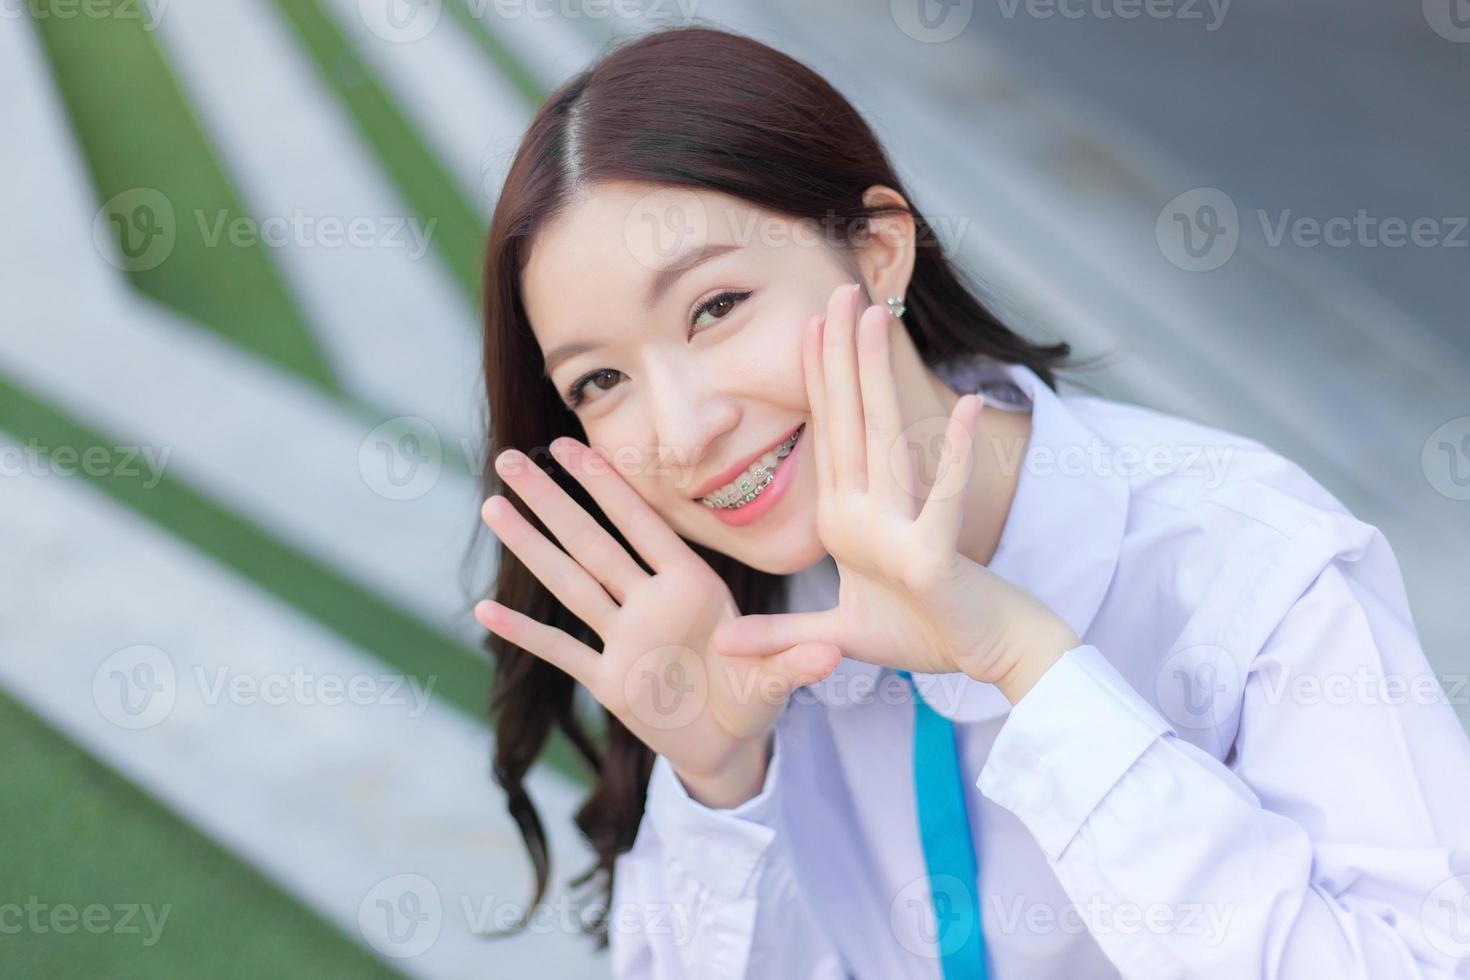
{"points": [[690, 415]]}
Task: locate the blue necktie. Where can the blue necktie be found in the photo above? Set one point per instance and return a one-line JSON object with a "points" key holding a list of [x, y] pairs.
{"points": [[949, 851]]}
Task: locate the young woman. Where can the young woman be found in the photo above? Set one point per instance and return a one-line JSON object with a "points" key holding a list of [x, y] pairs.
{"points": [[912, 665]]}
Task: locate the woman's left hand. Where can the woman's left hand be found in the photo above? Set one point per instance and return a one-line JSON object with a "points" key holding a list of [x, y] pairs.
{"points": [[907, 598]]}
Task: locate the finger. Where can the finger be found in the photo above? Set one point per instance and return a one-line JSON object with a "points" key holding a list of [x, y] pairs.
{"points": [[881, 417], [758, 636], [844, 400], [567, 580], [643, 527], [577, 531], [803, 664], [552, 645], [816, 393], [938, 523]]}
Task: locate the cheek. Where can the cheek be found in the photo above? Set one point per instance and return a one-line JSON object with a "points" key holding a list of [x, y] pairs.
{"points": [[627, 456], [771, 355], [657, 482]]}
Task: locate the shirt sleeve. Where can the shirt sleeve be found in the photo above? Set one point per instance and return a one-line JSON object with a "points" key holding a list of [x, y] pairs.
{"points": [[708, 892], [1334, 840]]}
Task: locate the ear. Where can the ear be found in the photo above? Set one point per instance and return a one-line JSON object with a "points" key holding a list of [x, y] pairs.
{"points": [[885, 251]]}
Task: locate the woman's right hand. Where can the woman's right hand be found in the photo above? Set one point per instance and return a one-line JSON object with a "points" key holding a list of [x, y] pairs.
{"points": [[710, 716]]}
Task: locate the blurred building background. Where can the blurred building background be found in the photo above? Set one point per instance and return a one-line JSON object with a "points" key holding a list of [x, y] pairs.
{"points": [[240, 413]]}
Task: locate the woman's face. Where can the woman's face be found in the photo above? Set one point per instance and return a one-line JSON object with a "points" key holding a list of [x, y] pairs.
{"points": [[671, 323]]}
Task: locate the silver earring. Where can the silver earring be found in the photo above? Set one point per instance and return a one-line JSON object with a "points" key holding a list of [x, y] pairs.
{"points": [[895, 306]]}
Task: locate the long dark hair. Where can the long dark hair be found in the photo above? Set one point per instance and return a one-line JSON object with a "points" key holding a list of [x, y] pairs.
{"points": [[698, 108]]}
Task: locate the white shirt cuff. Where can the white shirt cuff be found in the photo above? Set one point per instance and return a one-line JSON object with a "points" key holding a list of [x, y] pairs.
{"points": [[1066, 743], [719, 847]]}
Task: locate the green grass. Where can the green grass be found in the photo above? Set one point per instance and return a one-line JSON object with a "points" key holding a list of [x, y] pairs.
{"points": [[502, 57], [79, 835], [428, 187], [136, 130], [460, 675], [76, 833]]}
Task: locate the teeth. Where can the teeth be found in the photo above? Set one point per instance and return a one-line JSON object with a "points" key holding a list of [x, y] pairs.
{"points": [[746, 487]]}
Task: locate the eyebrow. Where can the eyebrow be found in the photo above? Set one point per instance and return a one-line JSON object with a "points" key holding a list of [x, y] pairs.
{"points": [[662, 282]]}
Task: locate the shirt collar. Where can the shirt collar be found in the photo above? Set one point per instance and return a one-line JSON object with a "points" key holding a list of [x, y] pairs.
{"points": [[1060, 542]]}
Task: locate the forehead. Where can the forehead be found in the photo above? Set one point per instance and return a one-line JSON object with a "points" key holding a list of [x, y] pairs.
{"points": [[610, 243]]}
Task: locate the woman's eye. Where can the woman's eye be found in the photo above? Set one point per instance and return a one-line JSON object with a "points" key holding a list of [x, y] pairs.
{"points": [[577, 393], [718, 306]]}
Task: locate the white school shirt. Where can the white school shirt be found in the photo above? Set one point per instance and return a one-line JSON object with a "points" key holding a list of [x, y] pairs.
{"points": [[1247, 768]]}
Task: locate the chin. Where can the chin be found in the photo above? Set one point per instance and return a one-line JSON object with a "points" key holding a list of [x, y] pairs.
{"points": [[790, 553]]}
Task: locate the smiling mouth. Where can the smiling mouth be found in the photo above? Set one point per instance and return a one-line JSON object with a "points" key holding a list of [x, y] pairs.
{"points": [[752, 482]]}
